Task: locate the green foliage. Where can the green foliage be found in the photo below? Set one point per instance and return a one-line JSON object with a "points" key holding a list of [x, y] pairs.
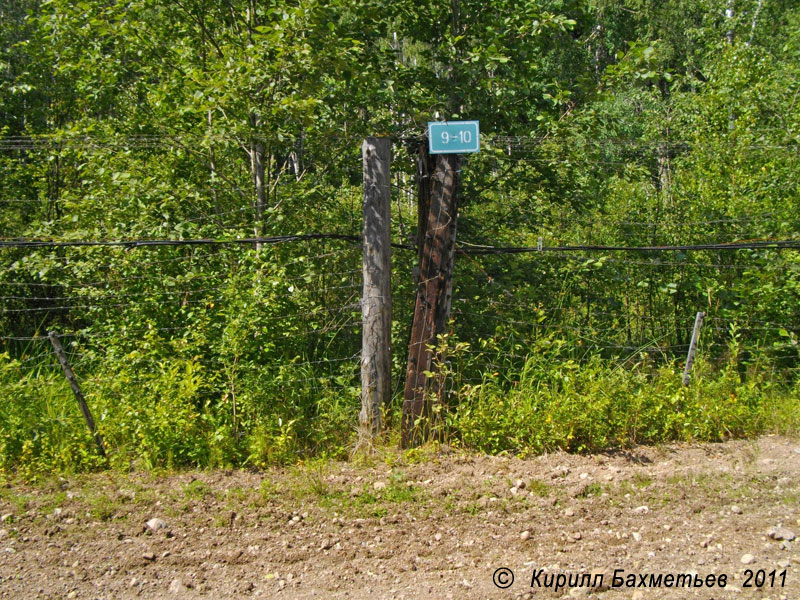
{"points": [[557, 404], [633, 123]]}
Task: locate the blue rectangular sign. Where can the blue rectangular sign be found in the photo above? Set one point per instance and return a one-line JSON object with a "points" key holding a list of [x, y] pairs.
{"points": [[454, 137]]}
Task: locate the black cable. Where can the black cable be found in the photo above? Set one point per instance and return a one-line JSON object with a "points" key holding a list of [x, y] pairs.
{"points": [[789, 244], [777, 244], [271, 240], [167, 242]]}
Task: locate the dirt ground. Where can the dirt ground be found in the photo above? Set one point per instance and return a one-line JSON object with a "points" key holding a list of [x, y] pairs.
{"points": [[430, 524]]}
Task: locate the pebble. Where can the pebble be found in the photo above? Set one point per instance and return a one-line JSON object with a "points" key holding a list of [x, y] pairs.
{"points": [[606, 579], [584, 475], [149, 556], [736, 510], [640, 510], [569, 513], [637, 536], [784, 564], [6, 517], [519, 484], [177, 587], [781, 533], [379, 485], [3, 533], [525, 535], [156, 524], [747, 559]]}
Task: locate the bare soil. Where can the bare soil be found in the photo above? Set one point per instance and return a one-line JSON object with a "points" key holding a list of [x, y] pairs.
{"points": [[428, 524]]}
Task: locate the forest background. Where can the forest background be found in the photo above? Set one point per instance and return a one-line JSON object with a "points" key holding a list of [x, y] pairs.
{"points": [[634, 123]]}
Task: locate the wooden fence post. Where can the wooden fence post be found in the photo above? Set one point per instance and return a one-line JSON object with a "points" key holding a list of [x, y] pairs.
{"points": [[431, 310], [376, 301], [62, 358], [698, 323]]}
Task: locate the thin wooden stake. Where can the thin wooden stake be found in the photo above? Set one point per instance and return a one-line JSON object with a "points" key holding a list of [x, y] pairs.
{"points": [[62, 358], [376, 301], [698, 323]]}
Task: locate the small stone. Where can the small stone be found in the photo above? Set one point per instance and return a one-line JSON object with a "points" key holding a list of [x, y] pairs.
{"points": [[569, 513], [784, 564], [781, 533], [606, 579], [525, 535], [637, 536], [6, 517], [637, 595], [150, 556], [786, 546], [584, 475], [705, 542], [379, 485], [519, 484], [747, 559], [576, 536], [736, 510], [3, 533], [133, 582], [156, 524], [438, 537], [640, 510], [72, 594], [513, 490], [176, 587]]}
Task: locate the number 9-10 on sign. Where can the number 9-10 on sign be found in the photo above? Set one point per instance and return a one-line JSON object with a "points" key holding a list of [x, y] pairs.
{"points": [[454, 137]]}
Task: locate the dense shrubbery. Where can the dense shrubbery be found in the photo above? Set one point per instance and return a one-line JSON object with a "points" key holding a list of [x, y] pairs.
{"points": [[635, 123]]}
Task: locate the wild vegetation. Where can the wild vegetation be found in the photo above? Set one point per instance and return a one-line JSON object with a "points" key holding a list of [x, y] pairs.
{"points": [[635, 123]]}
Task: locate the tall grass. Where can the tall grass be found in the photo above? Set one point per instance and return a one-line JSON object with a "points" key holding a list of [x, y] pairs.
{"points": [[549, 402], [180, 414]]}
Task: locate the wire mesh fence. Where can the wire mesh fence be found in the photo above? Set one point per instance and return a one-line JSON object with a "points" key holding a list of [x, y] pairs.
{"points": [[173, 320]]}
